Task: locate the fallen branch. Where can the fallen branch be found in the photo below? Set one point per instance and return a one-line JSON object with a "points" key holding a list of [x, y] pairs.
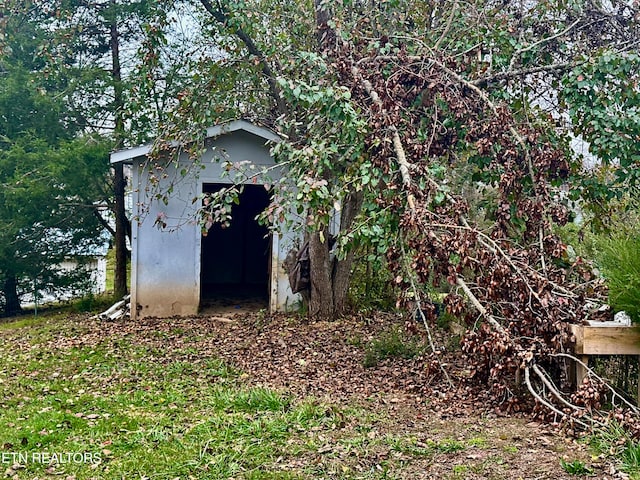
{"points": [[552, 388], [593, 374], [223, 319], [492, 106], [517, 325], [546, 403], [476, 303]]}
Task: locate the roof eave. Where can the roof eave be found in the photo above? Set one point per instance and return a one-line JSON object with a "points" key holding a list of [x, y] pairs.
{"points": [[129, 154]]}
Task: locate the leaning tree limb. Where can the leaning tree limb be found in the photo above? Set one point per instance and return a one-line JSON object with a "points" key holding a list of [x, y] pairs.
{"points": [[502, 346], [552, 388], [404, 167], [492, 106], [222, 17], [546, 403], [615, 395]]}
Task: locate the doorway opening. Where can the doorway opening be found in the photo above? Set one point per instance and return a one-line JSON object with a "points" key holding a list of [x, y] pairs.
{"points": [[234, 261]]}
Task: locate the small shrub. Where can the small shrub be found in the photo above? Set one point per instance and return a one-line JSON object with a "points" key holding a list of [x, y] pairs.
{"points": [[576, 467], [391, 344], [619, 260], [86, 303]]}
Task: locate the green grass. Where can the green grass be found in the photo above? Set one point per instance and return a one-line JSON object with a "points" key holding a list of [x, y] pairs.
{"points": [[576, 467], [139, 414], [126, 400], [630, 459], [614, 442], [125, 407]]}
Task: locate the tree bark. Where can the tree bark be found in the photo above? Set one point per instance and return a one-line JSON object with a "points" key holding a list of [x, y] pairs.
{"points": [[321, 305], [10, 289], [331, 276], [120, 273], [341, 274]]}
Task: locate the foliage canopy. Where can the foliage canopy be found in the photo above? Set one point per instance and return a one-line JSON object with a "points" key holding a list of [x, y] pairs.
{"points": [[49, 176]]}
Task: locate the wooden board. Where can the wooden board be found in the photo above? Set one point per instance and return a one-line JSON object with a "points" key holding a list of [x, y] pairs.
{"points": [[606, 340]]}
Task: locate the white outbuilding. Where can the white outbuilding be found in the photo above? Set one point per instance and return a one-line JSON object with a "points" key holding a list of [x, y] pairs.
{"points": [[175, 269]]}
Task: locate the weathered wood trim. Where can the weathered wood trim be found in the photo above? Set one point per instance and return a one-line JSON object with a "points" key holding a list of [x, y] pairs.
{"points": [[606, 340], [273, 272]]}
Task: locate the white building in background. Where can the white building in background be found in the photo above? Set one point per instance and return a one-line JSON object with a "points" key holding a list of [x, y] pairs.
{"points": [[93, 260]]}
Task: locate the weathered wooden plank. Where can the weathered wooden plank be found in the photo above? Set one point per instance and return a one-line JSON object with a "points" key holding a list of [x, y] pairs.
{"points": [[577, 331], [607, 340], [592, 340]]}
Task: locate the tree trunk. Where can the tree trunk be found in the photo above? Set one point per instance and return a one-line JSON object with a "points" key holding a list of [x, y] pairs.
{"points": [[342, 268], [321, 301], [331, 277], [10, 289], [120, 273]]}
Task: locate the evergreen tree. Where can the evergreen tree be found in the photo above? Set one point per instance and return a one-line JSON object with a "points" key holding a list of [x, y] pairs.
{"points": [[49, 176]]}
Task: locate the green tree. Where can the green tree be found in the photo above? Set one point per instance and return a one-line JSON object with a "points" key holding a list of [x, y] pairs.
{"points": [[348, 82], [49, 177], [602, 97], [103, 89]]}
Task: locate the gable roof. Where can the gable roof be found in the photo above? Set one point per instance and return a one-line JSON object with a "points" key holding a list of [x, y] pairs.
{"points": [[128, 154]]}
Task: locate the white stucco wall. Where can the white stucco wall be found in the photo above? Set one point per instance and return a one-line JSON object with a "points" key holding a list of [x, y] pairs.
{"points": [[165, 264]]}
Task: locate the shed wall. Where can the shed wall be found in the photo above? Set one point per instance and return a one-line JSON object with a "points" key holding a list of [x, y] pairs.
{"points": [[165, 274]]}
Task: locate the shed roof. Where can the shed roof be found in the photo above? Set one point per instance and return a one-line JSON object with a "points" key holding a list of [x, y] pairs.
{"points": [[128, 154]]}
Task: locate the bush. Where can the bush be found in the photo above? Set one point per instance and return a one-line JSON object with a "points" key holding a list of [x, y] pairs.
{"points": [[619, 260], [371, 286], [391, 344], [615, 251]]}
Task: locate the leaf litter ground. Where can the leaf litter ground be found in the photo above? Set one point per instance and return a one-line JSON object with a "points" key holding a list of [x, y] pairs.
{"points": [[253, 396]]}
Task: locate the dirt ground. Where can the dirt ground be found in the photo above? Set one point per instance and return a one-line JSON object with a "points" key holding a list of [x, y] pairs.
{"points": [[472, 440], [325, 360]]}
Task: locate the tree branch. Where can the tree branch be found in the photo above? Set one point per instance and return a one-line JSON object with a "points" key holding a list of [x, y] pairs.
{"points": [[222, 17], [476, 303], [401, 156], [483, 81], [549, 405]]}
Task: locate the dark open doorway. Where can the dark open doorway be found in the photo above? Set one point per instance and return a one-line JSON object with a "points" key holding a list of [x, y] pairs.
{"points": [[234, 268]]}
